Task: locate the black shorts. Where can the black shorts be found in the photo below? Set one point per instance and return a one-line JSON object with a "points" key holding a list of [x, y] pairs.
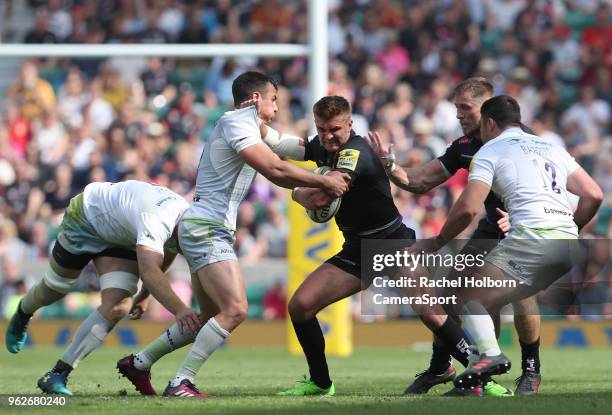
{"points": [[349, 259], [67, 259]]}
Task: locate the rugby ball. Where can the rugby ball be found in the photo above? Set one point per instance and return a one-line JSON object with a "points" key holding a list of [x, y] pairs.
{"points": [[324, 214]]}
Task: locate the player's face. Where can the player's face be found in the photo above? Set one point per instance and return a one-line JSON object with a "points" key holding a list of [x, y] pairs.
{"points": [[468, 111], [334, 132], [267, 107]]}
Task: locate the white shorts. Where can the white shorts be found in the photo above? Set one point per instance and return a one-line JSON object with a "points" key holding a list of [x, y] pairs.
{"points": [[537, 261], [78, 236], [205, 242]]}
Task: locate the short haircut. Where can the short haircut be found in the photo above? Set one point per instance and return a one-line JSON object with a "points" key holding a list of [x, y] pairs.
{"points": [[247, 83], [331, 106], [502, 109], [477, 86]]}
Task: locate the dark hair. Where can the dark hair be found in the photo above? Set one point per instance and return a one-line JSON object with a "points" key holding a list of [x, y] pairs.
{"points": [[247, 83], [502, 109], [330, 106], [476, 86]]}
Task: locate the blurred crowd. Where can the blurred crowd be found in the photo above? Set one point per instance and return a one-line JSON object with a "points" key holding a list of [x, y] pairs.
{"points": [[68, 122]]}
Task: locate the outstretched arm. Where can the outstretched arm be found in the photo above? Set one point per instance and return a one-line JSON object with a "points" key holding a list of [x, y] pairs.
{"points": [[285, 174], [416, 180]]}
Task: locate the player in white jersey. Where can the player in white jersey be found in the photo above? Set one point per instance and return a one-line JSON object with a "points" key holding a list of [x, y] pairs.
{"points": [[233, 155], [125, 229], [532, 177]]}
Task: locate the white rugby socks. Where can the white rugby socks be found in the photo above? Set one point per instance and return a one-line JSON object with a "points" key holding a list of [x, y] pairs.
{"points": [[170, 340], [210, 337], [90, 334], [479, 324], [37, 297]]}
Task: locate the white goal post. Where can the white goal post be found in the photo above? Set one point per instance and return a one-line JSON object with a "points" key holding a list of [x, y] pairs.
{"points": [[315, 50]]}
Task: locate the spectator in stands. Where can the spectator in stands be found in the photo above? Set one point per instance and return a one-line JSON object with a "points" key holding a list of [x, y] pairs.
{"points": [[40, 32], [72, 99], [274, 231], [12, 286], [33, 95], [275, 302]]}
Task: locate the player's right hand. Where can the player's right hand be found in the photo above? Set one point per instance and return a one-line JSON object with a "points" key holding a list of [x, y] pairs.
{"points": [[337, 183], [504, 222], [188, 320]]}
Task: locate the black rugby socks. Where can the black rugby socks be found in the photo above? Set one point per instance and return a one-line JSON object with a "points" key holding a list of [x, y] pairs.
{"points": [[530, 356], [311, 338], [440, 359], [454, 339]]}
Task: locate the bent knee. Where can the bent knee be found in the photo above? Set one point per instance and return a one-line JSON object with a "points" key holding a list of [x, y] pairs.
{"points": [[301, 308], [117, 311], [236, 312]]}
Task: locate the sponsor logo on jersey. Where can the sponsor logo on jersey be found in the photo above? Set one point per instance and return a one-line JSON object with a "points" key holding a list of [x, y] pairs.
{"points": [[347, 159], [554, 211]]}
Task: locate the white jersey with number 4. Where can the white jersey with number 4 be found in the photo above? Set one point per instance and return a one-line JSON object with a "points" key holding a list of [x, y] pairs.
{"points": [[133, 213], [224, 178], [529, 174]]}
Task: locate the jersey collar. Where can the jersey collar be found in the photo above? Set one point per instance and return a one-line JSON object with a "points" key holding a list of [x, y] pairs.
{"points": [[508, 132]]}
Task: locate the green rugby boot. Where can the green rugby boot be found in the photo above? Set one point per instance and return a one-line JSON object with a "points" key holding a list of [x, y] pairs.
{"points": [[492, 388], [308, 387]]}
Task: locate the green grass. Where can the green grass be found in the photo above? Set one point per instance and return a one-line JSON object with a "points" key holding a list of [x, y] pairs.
{"points": [[371, 381]]}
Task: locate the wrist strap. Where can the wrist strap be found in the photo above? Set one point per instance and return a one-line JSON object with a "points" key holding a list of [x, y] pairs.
{"points": [[390, 163], [293, 192]]}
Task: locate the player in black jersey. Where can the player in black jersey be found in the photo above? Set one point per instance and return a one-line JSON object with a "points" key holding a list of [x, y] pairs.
{"points": [[468, 98], [367, 212]]}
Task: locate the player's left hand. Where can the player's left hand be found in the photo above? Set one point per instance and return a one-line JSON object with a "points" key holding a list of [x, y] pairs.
{"points": [[250, 102], [504, 222], [384, 153], [254, 101]]}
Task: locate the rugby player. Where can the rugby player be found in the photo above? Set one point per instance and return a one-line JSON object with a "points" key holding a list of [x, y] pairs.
{"points": [[126, 229], [233, 155], [533, 178], [468, 97], [367, 212]]}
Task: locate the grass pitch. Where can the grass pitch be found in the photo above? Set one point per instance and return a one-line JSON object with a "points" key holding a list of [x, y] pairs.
{"points": [[371, 381]]}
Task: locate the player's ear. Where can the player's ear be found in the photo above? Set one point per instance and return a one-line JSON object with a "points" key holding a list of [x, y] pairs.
{"points": [[492, 124]]}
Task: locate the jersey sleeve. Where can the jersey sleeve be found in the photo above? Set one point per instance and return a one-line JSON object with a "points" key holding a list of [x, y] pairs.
{"points": [[450, 159], [241, 129], [313, 149], [482, 167], [152, 231], [569, 163]]}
